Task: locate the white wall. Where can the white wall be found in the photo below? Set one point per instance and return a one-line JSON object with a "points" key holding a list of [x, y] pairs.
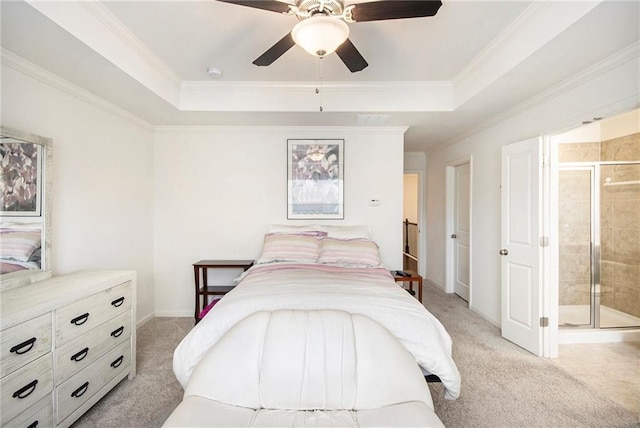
{"points": [[102, 179], [612, 91], [218, 189], [126, 198]]}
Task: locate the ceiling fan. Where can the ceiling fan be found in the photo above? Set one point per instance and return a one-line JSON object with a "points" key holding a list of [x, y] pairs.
{"points": [[322, 27]]}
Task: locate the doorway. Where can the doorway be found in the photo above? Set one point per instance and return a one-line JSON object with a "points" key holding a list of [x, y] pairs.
{"points": [[458, 194], [595, 232], [410, 229]]}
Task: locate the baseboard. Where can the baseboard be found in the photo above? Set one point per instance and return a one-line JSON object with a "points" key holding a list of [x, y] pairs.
{"points": [[174, 314], [495, 323], [435, 284], [471, 307], [145, 320]]}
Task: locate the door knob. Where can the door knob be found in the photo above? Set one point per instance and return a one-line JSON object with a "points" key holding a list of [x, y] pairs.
{"points": [[504, 252], [454, 236]]}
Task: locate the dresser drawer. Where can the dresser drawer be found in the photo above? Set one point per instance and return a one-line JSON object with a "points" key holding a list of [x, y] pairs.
{"points": [[24, 387], [40, 415], [88, 313], [81, 386], [82, 351], [23, 343]]}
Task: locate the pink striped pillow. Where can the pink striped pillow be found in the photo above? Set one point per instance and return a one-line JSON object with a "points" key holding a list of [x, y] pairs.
{"points": [[350, 252], [285, 247], [19, 245]]}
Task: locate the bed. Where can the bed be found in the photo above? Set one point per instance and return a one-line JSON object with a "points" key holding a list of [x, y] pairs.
{"points": [[322, 269]]}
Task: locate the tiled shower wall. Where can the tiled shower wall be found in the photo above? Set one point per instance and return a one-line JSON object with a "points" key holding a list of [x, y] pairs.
{"points": [[574, 217], [619, 225]]}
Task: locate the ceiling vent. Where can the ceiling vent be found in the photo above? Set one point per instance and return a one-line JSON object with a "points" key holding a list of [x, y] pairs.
{"points": [[372, 119]]}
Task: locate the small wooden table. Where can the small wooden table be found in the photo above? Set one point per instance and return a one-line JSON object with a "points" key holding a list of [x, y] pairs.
{"points": [[200, 270], [410, 279]]}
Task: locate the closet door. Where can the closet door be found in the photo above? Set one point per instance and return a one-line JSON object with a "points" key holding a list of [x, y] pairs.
{"points": [[462, 230]]}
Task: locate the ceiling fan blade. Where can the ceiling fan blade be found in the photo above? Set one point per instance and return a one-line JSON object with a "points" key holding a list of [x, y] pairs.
{"points": [[275, 51], [394, 9], [271, 5], [351, 57]]}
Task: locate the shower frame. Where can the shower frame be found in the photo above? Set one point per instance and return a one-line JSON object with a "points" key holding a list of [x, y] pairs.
{"points": [[595, 240]]}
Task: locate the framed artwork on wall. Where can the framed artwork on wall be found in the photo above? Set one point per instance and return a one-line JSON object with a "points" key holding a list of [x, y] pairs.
{"points": [[315, 179], [20, 178]]}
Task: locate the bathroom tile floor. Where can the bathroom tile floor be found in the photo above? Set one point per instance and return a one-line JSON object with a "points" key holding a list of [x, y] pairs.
{"points": [[612, 368]]}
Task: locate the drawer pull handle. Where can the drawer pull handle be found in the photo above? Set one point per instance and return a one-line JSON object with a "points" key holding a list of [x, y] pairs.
{"points": [[118, 331], [18, 348], [118, 302], [80, 391], [80, 319], [80, 355], [26, 390], [117, 362], [34, 424]]}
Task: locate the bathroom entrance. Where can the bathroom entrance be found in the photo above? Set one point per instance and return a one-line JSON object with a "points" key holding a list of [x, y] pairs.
{"points": [[599, 229]]}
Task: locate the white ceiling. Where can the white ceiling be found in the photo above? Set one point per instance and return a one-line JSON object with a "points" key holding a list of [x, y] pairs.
{"points": [[442, 76]]}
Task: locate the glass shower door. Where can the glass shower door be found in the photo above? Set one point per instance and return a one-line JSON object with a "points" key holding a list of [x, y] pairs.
{"points": [[576, 242], [619, 293]]}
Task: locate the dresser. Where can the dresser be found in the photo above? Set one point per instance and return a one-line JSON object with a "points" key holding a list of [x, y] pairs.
{"points": [[64, 343]]}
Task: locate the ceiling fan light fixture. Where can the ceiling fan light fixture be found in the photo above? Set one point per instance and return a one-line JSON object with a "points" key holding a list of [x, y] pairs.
{"points": [[320, 35]]}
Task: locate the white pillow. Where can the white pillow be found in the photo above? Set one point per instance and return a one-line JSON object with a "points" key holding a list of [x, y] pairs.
{"points": [[347, 232], [332, 231]]}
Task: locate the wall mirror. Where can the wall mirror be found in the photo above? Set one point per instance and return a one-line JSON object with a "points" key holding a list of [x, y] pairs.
{"points": [[25, 207]]}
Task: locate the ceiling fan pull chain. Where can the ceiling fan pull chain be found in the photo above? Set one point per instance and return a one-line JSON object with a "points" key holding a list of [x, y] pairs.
{"points": [[319, 80]]}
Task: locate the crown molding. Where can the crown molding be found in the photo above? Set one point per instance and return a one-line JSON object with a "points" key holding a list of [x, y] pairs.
{"points": [[182, 129], [302, 96], [620, 58], [105, 16], [497, 45], [92, 24], [540, 23], [594, 71], [19, 64]]}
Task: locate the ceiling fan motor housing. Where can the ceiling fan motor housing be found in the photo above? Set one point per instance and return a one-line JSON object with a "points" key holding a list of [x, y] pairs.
{"points": [[327, 7]]}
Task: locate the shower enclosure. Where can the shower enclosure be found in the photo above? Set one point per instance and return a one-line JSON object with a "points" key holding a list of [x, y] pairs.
{"points": [[599, 234]]}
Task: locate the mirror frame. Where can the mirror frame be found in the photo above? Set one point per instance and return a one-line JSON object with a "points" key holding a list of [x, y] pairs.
{"points": [[14, 279]]}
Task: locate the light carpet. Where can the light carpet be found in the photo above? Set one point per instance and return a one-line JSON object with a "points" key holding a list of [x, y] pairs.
{"points": [[502, 385], [505, 386]]}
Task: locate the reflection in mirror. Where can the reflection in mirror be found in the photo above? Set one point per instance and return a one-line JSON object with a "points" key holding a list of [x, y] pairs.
{"points": [[25, 204]]}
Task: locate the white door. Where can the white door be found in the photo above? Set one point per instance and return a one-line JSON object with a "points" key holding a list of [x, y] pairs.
{"points": [[461, 229], [521, 255]]}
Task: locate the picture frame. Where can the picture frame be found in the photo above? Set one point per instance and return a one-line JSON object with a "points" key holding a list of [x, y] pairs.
{"points": [[21, 185], [315, 179]]}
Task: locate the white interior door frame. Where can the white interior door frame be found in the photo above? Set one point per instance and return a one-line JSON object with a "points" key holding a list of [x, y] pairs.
{"points": [[422, 237], [550, 273], [449, 223]]}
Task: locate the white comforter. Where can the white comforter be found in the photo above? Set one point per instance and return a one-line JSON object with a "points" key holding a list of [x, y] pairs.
{"points": [[367, 291]]}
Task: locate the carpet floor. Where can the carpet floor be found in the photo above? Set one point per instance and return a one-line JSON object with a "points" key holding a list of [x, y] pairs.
{"points": [[502, 385]]}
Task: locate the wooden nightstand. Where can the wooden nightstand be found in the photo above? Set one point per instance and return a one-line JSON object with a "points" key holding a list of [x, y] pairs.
{"points": [[203, 291], [414, 277]]}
